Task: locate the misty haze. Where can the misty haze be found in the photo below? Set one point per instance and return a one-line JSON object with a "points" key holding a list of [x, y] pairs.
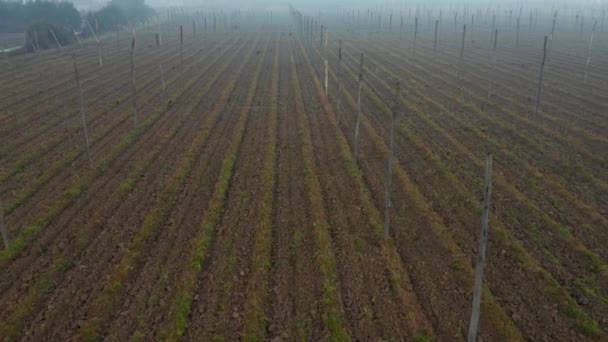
{"points": [[227, 170]]}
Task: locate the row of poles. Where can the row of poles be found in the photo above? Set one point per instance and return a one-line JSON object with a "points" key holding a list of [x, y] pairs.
{"points": [[304, 28], [384, 19], [96, 35], [307, 25], [77, 77]]}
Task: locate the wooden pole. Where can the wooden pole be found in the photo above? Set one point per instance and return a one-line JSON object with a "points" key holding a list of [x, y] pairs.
{"points": [[117, 45], [326, 65], [133, 88], [321, 40], [517, 34], [493, 25], [3, 228], [552, 31], [98, 43], [356, 148], [36, 41], [481, 257], [339, 75], [160, 37], [389, 172], [181, 46], [540, 77], [435, 42], [415, 35], [494, 57], [82, 112], [162, 82], [55, 37], [589, 51], [9, 66], [471, 28], [77, 38], [460, 56]]}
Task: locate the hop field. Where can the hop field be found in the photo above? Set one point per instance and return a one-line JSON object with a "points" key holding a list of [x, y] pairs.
{"points": [[235, 208]]}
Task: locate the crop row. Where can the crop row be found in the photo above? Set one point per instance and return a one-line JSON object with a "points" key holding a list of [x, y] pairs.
{"points": [[519, 249], [58, 165], [398, 277], [124, 187], [181, 306], [593, 216]]}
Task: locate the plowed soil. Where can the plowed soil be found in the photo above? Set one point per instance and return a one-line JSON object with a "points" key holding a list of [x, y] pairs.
{"points": [[236, 208]]}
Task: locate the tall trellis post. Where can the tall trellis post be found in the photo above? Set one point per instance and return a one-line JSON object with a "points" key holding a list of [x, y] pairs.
{"points": [[389, 172], [481, 257]]}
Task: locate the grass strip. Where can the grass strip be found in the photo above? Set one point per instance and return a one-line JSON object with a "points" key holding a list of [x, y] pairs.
{"points": [[181, 307], [255, 319], [331, 306], [107, 299]]}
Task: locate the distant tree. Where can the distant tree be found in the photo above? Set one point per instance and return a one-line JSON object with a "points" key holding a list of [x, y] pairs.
{"points": [[16, 16], [107, 18], [120, 12], [39, 35]]}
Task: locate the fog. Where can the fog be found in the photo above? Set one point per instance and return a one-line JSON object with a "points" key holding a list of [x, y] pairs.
{"points": [[328, 4]]}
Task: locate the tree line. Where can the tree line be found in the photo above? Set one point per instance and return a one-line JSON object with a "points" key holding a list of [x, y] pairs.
{"points": [[41, 19]]}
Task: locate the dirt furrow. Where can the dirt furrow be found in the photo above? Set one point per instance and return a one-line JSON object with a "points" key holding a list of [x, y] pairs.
{"points": [[391, 310], [294, 277], [94, 241], [150, 292], [524, 258], [152, 206]]}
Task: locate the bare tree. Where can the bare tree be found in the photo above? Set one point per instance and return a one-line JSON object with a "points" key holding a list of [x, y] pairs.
{"points": [[481, 257]]}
